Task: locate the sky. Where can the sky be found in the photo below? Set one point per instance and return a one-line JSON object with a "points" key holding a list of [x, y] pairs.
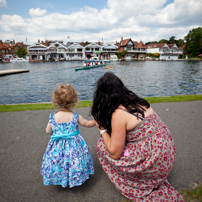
{"points": [[98, 20]]}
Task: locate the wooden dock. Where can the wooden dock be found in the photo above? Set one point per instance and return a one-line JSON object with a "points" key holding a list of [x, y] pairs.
{"points": [[13, 71]]}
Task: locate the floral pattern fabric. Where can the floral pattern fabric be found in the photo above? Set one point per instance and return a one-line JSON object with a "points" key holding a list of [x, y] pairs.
{"points": [[67, 161], [146, 161]]}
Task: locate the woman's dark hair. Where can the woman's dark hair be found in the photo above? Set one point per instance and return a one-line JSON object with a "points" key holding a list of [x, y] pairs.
{"points": [[110, 92]]}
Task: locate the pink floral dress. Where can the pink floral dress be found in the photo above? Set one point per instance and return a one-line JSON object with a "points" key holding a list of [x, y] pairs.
{"points": [[145, 163]]}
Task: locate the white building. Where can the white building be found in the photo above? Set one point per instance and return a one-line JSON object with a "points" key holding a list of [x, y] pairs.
{"points": [[166, 51], [56, 51], [74, 52], [37, 51]]}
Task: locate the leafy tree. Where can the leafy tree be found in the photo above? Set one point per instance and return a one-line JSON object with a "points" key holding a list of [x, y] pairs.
{"points": [[172, 40], [150, 42], [179, 42], [121, 54], [194, 42], [86, 43], [163, 41], [21, 52], [118, 54]]}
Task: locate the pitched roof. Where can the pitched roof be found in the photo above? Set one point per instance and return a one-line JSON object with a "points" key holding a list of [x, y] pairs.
{"points": [[4, 46], [182, 47], [141, 45], [171, 45], [135, 44], [124, 42], [156, 45]]}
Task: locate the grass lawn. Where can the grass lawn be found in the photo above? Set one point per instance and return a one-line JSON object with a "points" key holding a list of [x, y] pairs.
{"points": [[88, 103], [193, 195]]}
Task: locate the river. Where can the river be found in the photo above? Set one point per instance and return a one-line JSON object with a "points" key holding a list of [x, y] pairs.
{"points": [[145, 78]]}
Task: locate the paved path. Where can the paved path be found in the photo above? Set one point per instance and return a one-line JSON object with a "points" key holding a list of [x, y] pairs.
{"points": [[23, 142]]}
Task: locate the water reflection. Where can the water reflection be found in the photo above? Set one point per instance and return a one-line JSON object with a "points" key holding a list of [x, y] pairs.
{"points": [[146, 78]]}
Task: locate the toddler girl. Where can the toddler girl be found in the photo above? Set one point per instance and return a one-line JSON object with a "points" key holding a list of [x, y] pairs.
{"points": [[67, 160]]}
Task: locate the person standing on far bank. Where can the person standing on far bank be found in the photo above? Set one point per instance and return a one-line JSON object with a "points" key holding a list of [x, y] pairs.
{"points": [[136, 149], [67, 160]]}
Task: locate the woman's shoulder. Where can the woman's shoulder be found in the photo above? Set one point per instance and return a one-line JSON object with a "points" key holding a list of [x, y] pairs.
{"points": [[119, 112], [148, 111]]}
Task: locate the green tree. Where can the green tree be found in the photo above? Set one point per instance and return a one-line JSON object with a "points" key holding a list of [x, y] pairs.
{"points": [[118, 55], [172, 40], [193, 42], [179, 42], [86, 43], [149, 42], [121, 54], [163, 41], [21, 52]]}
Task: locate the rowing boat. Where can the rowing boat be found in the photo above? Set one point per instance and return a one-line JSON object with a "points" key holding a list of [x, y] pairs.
{"points": [[89, 67]]}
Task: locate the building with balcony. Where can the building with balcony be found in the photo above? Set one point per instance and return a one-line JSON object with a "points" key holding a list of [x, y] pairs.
{"points": [[37, 52], [166, 51], [56, 51], [93, 50], [74, 51], [109, 51], [135, 50]]}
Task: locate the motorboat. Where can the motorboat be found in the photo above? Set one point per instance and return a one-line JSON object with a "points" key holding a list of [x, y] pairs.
{"points": [[13, 60]]}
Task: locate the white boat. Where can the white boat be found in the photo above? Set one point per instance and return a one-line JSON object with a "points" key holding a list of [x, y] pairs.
{"points": [[113, 57], [96, 59], [13, 60]]}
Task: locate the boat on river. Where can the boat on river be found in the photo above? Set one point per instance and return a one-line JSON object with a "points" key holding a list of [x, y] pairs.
{"points": [[89, 67], [13, 60], [96, 59]]}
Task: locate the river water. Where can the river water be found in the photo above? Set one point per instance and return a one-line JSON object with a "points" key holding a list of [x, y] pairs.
{"points": [[145, 78]]}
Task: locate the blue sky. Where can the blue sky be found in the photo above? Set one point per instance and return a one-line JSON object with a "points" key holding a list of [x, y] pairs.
{"points": [[21, 7], [90, 20]]}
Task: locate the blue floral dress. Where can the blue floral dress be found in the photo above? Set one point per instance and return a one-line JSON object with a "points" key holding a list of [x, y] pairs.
{"points": [[67, 160]]}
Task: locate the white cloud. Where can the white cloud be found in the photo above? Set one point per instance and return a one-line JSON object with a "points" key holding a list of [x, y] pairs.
{"points": [[37, 12], [3, 3], [140, 20]]}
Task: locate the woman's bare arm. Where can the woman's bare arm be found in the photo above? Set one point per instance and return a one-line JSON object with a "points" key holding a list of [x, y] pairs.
{"points": [[115, 143]]}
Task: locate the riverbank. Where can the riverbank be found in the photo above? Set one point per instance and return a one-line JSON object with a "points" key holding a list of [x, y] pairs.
{"points": [[88, 103], [24, 142]]}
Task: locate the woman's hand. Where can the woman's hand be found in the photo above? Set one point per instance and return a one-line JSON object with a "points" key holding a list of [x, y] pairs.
{"points": [[98, 125], [115, 143]]}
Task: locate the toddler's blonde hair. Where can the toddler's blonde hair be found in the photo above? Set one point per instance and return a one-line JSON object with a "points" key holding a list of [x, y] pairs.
{"points": [[65, 96]]}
